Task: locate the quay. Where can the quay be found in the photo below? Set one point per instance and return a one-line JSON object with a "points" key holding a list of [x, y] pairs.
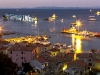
{"points": [[7, 32]]}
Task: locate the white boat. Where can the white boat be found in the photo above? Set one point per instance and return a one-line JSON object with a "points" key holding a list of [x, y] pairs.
{"points": [[62, 20], [92, 18], [74, 16], [52, 29]]}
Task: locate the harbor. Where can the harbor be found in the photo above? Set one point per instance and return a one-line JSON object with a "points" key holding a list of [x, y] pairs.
{"points": [[54, 28], [63, 42]]}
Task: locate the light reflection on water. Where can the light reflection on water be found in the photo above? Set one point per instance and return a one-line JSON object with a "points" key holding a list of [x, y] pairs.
{"points": [[77, 44]]}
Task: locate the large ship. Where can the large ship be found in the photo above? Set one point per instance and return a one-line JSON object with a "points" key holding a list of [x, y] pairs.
{"points": [[72, 30], [23, 18]]}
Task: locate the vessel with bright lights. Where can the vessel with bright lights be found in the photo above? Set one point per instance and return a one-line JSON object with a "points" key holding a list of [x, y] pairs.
{"points": [[52, 18], [72, 30], [83, 33]]}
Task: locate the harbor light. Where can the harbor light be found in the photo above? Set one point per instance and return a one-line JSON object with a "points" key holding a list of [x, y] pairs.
{"points": [[98, 12], [78, 44], [78, 24], [0, 28], [90, 10]]}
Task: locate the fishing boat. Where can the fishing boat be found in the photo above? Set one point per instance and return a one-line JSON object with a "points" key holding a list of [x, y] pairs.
{"points": [[98, 12], [92, 18]]}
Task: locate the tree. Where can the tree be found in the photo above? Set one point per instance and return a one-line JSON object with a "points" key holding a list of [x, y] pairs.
{"points": [[27, 67], [7, 67], [93, 50]]}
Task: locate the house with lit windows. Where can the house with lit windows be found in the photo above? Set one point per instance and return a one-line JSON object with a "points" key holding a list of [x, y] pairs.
{"points": [[22, 53]]}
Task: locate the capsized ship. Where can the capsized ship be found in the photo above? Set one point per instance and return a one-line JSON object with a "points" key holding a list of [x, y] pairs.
{"points": [[92, 18], [13, 17]]}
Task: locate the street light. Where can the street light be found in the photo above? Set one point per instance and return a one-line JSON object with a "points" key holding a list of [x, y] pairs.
{"points": [[78, 24], [0, 30]]}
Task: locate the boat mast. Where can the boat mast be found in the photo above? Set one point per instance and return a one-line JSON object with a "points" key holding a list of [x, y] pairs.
{"points": [[38, 32]]}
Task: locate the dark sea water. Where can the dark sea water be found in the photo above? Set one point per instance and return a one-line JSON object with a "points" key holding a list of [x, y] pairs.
{"points": [[42, 25]]}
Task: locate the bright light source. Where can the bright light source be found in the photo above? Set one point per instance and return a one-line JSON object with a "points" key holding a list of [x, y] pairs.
{"points": [[0, 28], [64, 67]]}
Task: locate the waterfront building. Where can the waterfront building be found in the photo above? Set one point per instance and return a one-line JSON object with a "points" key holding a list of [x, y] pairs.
{"points": [[22, 53]]}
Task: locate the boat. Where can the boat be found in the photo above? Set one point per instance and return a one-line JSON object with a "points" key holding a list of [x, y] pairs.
{"points": [[52, 18], [35, 19], [72, 30], [62, 20], [52, 29], [98, 34], [22, 18], [92, 18], [74, 16], [44, 36]]}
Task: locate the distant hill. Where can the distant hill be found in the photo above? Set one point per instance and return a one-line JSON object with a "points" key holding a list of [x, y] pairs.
{"points": [[54, 7]]}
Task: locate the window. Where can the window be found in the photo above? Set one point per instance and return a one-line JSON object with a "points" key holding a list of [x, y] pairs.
{"points": [[22, 52], [22, 57], [88, 67], [10, 52], [90, 59], [90, 64]]}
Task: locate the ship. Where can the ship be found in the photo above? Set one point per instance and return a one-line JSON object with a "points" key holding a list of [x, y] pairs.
{"points": [[72, 30], [92, 18], [52, 18]]}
